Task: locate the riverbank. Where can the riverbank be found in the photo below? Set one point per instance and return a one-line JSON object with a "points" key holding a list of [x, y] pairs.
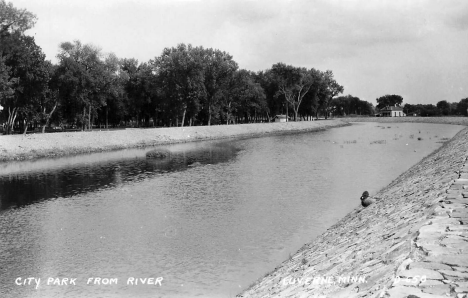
{"points": [[31, 146], [436, 120], [412, 243]]}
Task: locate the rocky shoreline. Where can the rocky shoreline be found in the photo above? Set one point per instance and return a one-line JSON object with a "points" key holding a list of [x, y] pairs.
{"points": [[411, 243], [32, 146]]}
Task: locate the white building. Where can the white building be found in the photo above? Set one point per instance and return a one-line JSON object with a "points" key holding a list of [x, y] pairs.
{"points": [[281, 118], [392, 112]]}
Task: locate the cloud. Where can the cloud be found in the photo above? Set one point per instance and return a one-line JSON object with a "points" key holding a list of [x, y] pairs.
{"points": [[458, 18], [388, 45]]}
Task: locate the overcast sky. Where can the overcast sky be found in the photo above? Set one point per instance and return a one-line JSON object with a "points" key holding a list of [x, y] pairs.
{"points": [[417, 49]]}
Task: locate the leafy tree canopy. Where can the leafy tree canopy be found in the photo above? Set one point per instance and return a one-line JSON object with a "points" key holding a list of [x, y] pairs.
{"points": [[389, 100], [13, 19]]}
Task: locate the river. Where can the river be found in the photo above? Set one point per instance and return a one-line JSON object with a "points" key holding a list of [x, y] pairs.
{"points": [[207, 222]]}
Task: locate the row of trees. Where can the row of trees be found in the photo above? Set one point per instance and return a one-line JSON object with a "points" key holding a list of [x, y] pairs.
{"points": [[442, 108], [185, 85]]}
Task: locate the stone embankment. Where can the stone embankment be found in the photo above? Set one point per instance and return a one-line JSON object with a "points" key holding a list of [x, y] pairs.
{"points": [[17, 147], [411, 243]]}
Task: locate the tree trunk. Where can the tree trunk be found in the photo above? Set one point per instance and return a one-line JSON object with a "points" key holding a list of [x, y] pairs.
{"points": [[25, 128], [48, 116], [183, 116], [107, 116], [11, 120], [84, 118], [89, 117], [209, 115]]}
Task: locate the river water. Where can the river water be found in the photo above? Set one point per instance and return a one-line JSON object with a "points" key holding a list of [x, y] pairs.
{"points": [[209, 221]]}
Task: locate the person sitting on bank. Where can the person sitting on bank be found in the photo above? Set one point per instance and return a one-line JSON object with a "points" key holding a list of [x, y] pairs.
{"points": [[366, 200]]}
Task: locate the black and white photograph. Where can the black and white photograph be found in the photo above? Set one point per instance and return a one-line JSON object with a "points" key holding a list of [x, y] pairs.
{"points": [[233, 148]]}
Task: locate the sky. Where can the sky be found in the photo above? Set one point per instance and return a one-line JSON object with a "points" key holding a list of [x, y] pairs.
{"points": [[417, 49]]}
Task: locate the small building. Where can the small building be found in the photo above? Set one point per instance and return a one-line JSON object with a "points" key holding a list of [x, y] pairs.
{"points": [[281, 118], [393, 111]]}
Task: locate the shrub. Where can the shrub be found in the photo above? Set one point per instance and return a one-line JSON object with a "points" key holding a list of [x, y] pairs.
{"points": [[158, 153]]}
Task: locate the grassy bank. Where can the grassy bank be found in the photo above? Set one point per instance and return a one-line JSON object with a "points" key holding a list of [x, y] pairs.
{"points": [[418, 228], [18, 147]]}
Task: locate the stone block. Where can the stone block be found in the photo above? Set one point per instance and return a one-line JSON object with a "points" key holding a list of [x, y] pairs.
{"points": [[461, 284], [456, 186], [403, 282], [433, 229], [459, 213], [446, 221], [464, 175], [442, 290], [461, 269], [452, 274], [454, 240], [460, 182], [455, 260], [437, 250], [431, 283], [452, 196], [460, 200], [428, 273], [402, 291], [429, 265]]}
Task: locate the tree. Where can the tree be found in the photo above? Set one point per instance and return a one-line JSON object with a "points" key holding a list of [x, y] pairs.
{"points": [[82, 79], [293, 83], [218, 67], [180, 72], [444, 107], [244, 96], [329, 88], [28, 76], [454, 108], [116, 95], [462, 107], [14, 20], [141, 90], [6, 83], [17, 53], [389, 100], [348, 105]]}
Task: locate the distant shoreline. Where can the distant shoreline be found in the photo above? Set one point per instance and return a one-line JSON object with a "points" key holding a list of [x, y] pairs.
{"points": [[435, 120], [33, 146]]}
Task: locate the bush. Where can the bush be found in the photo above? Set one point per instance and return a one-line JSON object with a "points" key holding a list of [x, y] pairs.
{"points": [[158, 153]]}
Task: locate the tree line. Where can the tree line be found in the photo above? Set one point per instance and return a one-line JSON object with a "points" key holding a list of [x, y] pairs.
{"points": [[442, 108], [184, 85]]}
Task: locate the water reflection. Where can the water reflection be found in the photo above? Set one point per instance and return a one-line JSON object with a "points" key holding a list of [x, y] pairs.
{"points": [[209, 230], [25, 187]]}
